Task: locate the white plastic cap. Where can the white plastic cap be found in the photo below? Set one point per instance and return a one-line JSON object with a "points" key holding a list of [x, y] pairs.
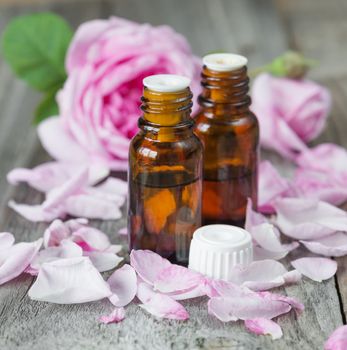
{"points": [[166, 82], [224, 62], [216, 249]]}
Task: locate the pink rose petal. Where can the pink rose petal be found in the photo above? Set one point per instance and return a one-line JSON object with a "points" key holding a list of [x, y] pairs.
{"points": [[260, 275], [16, 258], [246, 307], [337, 340], [148, 264], [49, 175], [160, 305], [72, 186], [60, 144], [91, 238], [69, 281], [6, 240], [116, 316], [55, 233], [66, 249], [334, 245], [114, 186], [123, 284], [176, 278], [92, 207], [317, 269], [308, 219], [271, 186], [123, 231], [263, 326], [36, 213], [103, 261]]}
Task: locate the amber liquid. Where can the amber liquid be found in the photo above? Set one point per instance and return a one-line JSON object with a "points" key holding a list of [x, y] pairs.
{"points": [[225, 195], [164, 213]]}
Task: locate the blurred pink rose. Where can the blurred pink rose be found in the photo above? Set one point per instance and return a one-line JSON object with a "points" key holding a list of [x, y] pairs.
{"points": [[290, 112], [99, 104]]}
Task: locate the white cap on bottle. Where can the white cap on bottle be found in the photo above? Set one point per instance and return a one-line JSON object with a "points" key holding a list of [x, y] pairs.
{"points": [[216, 249], [166, 82], [224, 62]]}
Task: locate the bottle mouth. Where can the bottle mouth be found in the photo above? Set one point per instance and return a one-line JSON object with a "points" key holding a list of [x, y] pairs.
{"points": [[224, 62], [166, 83]]}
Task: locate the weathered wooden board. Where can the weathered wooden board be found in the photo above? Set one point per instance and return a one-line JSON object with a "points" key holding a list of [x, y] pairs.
{"points": [[258, 29]]}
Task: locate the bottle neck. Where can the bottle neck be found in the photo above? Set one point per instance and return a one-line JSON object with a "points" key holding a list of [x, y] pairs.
{"points": [[225, 92], [166, 114]]}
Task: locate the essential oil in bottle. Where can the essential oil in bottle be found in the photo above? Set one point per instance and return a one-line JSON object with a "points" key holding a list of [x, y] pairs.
{"points": [[230, 134], [165, 171]]}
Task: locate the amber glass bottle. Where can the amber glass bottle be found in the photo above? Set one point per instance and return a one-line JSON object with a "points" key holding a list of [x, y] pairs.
{"points": [[229, 132], [165, 171]]}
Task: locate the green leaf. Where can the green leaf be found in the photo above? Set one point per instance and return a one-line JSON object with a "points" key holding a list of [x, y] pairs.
{"points": [[35, 46], [47, 108]]}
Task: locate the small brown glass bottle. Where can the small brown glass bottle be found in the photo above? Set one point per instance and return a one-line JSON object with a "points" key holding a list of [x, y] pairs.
{"points": [[230, 133], [165, 171]]}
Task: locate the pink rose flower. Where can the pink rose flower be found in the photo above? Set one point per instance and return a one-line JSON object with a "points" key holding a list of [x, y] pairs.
{"points": [[290, 112], [99, 103]]}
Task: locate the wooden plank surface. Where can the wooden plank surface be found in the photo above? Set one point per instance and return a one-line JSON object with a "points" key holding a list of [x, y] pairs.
{"points": [[258, 29]]}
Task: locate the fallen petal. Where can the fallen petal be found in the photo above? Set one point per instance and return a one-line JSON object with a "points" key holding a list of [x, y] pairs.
{"points": [[148, 264], [55, 233], [176, 278], [263, 326], [6, 240], [66, 249], [91, 238], [123, 231], [36, 213], [69, 281], [259, 275], [117, 315], [92, 207], [271, 186], [308, 219], [334, 245], [318, 269], [103, 261], [123, 284], [337, 340], [15, 259], [160, 305]]}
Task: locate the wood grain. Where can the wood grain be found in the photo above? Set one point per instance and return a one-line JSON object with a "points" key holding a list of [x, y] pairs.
{"points": [[258, 29]]}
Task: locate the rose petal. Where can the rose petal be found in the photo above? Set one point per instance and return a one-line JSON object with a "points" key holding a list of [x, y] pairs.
{"points": [[15, 259], [309, 219], [246, 307], [6, 240], [55, 233], [69, 281], [271, 186], [263, 326], [176, 278], [117, 315], [114, 186], [67, 249], [123, 231], [59, 143], [59, 194], [91, 238], [160, 305], [337, 340], [148, 264], [123, 284], [334, 245], [36, 213], [104, 261], [49, 175], [318, 269], [259, 275], [92, 207]]}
